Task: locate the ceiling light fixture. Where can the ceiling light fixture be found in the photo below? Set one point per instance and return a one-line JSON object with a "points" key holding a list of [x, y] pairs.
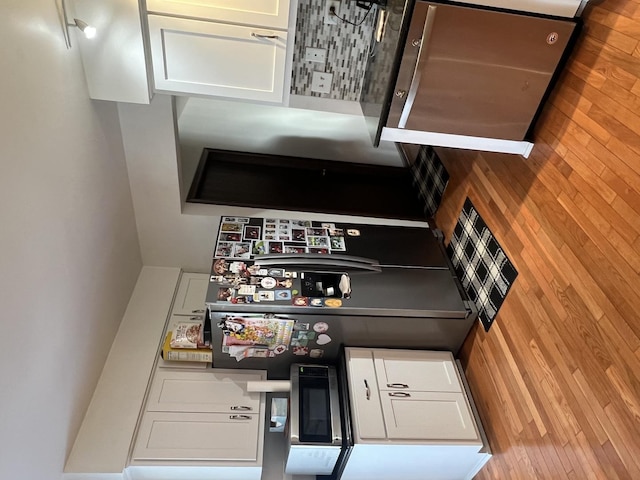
{"points": [[87, 29]]}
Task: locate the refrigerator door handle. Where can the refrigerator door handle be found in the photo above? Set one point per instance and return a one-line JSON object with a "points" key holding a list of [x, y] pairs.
{"points": [[318, 261], [417, 73]]}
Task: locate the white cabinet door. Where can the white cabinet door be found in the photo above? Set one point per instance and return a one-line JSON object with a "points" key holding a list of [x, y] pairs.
{"points": [[416, 370], [364, 395], [191, 295], [266, 13], [197, 436], [207, 58], [433, 416], [210, 391]]}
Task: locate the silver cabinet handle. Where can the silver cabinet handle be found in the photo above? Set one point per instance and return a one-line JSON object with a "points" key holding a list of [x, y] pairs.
{"points": [[201, 310], [241, 407], [240, 417], [417, 73], [197, 317], [399, 394], [397, 385], [368, 391], [263, 35]]}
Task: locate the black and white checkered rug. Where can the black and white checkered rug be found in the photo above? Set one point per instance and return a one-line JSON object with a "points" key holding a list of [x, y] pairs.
{"points": [[480, 263], [430, 178]]}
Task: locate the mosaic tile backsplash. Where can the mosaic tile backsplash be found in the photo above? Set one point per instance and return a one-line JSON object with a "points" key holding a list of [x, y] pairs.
{"points": [[347, 48]]}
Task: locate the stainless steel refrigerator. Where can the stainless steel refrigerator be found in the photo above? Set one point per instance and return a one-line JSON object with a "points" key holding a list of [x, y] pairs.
{"points": [[381, 286]]}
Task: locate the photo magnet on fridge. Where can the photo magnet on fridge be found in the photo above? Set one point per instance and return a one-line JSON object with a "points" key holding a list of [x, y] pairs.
{"points": [[231, 227], [251, 232]]}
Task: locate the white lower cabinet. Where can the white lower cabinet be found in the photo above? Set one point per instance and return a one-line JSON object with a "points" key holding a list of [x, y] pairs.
{"points": [[204, 420], [428, 416], [191, 295], [209, 437], [412, 418], [209, 58]]}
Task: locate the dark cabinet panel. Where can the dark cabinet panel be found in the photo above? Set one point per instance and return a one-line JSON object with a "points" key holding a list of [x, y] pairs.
{"points": [[301, 184]]}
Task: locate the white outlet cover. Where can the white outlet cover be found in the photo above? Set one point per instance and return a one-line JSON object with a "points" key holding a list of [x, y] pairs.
{"points": [[321, 82], [315, 55]]}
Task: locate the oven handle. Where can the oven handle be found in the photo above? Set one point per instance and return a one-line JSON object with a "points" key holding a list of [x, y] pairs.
{"points": [[417, 73]]}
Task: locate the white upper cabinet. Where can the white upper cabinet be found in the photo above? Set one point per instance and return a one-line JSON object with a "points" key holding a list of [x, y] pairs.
{"points": [[266, 13], [209, 58]]}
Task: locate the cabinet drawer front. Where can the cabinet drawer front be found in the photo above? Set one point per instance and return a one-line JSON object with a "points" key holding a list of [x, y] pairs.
{"points": [[364, 395], [416, 370], [432, 416], [211, 391], [208, 58], [266, 13], [197, 436]]}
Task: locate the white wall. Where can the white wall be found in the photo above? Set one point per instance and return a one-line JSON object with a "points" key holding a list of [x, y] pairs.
{"points": [[69, 249], [171, 233]]}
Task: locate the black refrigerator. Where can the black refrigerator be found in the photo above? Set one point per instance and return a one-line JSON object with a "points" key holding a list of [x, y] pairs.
{"points": [[284, 291]]}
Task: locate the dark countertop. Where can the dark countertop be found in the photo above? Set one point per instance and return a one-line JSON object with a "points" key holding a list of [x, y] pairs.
{"points": [[382, 67]]}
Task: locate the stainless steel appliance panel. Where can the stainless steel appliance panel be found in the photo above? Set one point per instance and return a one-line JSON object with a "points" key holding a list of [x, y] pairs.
{"points": [[475, 72], [396, 246]]}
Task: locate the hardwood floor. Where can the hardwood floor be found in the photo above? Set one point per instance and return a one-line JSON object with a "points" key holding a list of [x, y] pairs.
{"points": [[557, 378]]}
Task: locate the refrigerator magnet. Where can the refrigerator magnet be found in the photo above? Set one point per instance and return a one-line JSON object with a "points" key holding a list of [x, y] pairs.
{"points": [[231, 227], [300, 301], [316, 302], [328, 225], [300, 326], [333, 302], [266, 295], [353, 232], [300, 351], [224, 294], [268, 282], [320, 327], [336, 232], [224, 249], [276, 247], [220, 266], [258, 247], [298, 235], [323, 339], [251, 232], [279, 349], [286, 283], [276, 272], [337, 243], [247, 290], [316, 353], [283, 294]]}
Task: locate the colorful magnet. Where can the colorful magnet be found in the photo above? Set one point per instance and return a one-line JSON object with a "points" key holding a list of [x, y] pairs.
{"points": [[295, 292], [298, 326], [316, 353], [353, 232], [268, 282], [220, 266], [279, 349], [283, 294], [300, 301], [333, 302], [316, 302], [246, 290], [300, 351], [276, 272], [266, 296], [323, 339], [320, 327]]}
